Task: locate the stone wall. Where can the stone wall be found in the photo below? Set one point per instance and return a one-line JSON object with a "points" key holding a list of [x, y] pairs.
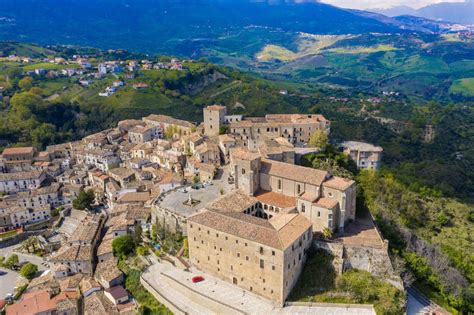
{"points": [[170, 219], [368, 258]]}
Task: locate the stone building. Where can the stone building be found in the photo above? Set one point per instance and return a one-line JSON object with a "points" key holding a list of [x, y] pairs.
{"points": [[365, 155], [296, 128], [214, 118], [235, 240], [327, 201]]}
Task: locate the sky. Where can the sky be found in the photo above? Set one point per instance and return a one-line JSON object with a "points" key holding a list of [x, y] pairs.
{"points": [[376, 4]]}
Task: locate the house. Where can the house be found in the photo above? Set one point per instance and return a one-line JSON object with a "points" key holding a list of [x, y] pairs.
{"points": [[116, 294], [108, 274], [365, 155], [21, 181], [88, 286]]}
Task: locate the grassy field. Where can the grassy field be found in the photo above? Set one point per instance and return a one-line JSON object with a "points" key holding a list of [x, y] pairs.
{"points": [[463, 86], [49, 66], [362, 49], [8, 234]]}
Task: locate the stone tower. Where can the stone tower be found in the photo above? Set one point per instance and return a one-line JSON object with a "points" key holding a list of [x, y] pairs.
{"points": [[214, 118]]}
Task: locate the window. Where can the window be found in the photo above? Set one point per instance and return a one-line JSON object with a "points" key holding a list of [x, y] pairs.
{"points": [[217, 235], [226, 238], [303, 207], [298, 189], [319, 213], [246, 258], [236, 241], [330, 194], [191, 226], [279, 184], [261, 250], [262, 263], [238, 254], [273, 253], [243, 171], [273, 267]]}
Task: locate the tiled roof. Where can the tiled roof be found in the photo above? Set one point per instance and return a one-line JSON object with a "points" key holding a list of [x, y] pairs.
{"points": [[169, 120], [279, 233], [33, 303], [243, 154], [215, 107], [327, 203], [108, 270], [338, 183], [293, 172], [275, 199], [18, 150], [236, 201]]}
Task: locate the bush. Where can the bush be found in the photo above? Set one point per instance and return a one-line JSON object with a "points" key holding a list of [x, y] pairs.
{"points": [[28, 271], [142, 251], [12, 261], [122, 246], [147, 302]]}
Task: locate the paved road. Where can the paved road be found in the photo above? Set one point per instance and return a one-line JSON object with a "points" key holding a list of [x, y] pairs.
{"points": [[417, 303], [214, 296], [7, 251], [8, 282]]}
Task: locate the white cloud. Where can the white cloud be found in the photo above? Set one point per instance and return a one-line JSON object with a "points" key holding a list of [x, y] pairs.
{"points": [[374, 4]]}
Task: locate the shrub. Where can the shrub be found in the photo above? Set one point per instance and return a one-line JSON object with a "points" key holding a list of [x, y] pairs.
{"points": [[122, 246], [28, 271]]}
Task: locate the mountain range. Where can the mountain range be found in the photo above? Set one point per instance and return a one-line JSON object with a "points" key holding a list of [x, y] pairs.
{"points": [[170, 25], [456, 12]]}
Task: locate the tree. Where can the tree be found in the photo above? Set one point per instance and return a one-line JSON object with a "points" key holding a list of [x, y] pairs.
{"points": [[327, 233], [30, 243], [196, 179], [223, 129], [332, 167], [122, 246], [84, 200], [319, 139], [28, 271], [26, 83], [12, 261], [137, 236]]}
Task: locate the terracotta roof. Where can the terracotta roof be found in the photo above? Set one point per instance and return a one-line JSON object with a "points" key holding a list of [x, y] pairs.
{"points": [[18, 150], [236, 201], [169, 120], [108, 270], [117, 292], [215, 107], [326, 203], [32, 303], [98, 304], [243, 154], [239, 224], [275, 199], [226, 138], [293, 172], [338, 183], [20, 175], [135, 197], [308, 196], [361, 146], [278, 233]]}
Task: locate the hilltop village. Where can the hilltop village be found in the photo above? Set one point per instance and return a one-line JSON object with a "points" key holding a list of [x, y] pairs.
{"points": [[232, 187]]}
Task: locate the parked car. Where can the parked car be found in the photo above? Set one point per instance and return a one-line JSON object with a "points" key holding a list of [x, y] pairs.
{"points": [[197, 279], [2, 273]]}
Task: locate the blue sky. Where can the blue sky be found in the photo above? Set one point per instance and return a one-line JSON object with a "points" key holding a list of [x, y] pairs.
{"points": [[372, 4]]}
